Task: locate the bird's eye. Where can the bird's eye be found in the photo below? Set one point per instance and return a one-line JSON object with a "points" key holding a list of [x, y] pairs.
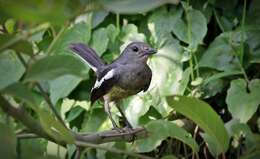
{"points": [[135, 49]]}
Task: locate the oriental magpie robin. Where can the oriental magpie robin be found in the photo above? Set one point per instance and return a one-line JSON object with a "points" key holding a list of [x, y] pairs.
{"points": [[126, 76]]}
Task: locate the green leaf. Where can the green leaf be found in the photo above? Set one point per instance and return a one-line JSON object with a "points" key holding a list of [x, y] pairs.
{"points": [[79, 32], [11, 69], [20, 91], [51, 67], [161, 23], [168, 80], [96, 120], [62, 86], [100, 40], [222, 53], [243, 103], [129, 33], [137, 106], [23, 46], [203, 115], [169, 157], [32, 148], [160, 130], [194, 31], [8, 142], [133, 6], [32, 11], [74, 113], [54, 128], [9, 25]]}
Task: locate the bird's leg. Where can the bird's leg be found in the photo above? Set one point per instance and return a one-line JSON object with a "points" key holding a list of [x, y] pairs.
{"points": [[128, 125], [107, 110]]}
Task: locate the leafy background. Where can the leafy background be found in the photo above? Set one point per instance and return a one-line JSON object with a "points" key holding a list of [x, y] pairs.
{"points": [[204, 98]]}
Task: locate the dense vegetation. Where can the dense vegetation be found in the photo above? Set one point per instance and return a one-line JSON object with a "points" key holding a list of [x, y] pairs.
{"points": [[203, 101]]}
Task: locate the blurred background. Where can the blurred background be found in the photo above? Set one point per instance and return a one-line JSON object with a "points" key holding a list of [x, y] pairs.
{"points": [[203, 101]]}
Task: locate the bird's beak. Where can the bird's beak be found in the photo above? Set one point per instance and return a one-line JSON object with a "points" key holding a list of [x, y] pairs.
{"points": [[151, 51]]}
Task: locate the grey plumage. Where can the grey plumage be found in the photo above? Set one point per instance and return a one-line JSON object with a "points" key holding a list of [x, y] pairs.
{"points": [[127, 75]]}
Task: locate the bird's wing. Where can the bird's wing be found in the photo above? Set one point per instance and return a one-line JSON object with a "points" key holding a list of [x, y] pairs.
{"points": [[145, 88], [104, 84]]}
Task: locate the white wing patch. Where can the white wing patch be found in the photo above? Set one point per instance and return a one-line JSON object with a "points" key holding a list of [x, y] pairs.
{"points": [[91, 66], [107, 76]]}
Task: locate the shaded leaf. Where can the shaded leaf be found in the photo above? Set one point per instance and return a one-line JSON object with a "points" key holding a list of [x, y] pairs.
{"points": [[133, 6], [222, 53], [243, 103], [62, 86], [79, 32], [10, 62], [194, 30], [51, 67], [96, 120], [160, 130], [32, 148], [203, 115]]}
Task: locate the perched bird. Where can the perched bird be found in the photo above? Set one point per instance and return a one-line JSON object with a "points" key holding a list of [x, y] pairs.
{"points": [[126, 76]]}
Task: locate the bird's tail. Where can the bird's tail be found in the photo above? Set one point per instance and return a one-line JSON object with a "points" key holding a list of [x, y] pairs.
{"points": [[88, 55]]}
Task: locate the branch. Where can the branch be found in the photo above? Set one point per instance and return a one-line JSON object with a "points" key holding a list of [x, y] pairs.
{"points": [[21, 115], [81, 140], [44, 94], [112, 135], [83, 144]]}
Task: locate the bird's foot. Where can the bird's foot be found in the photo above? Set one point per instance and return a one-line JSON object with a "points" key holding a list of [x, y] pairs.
{"points": [[119, 130], [130, 130]]}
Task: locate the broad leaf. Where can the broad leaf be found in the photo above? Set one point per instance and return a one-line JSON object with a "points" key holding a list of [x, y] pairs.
{"points": [[159, 130], [96, 120], [161, 23], [194, 30], [203, 115], [100, 40], [51, 67], [133, 6], [79, 32], [51, 125], [62, 86], [243, 103], [222, 53], [22, 92], [11, 69], [129, 33]]}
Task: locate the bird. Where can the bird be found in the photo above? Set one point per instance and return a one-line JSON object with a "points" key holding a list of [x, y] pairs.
{"points": [[127, 75]]}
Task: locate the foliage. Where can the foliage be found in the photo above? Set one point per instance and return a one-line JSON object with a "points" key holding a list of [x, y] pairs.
{"points": [[203, 101]]}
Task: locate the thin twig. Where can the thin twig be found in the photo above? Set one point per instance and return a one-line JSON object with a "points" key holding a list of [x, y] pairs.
{"points": [[114, 150]]}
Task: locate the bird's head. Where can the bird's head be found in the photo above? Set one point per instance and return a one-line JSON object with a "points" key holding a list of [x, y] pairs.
{"points": [[138, 51]]}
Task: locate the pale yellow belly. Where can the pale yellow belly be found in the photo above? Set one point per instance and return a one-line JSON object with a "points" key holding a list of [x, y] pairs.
{"points": [[117, 93]]}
